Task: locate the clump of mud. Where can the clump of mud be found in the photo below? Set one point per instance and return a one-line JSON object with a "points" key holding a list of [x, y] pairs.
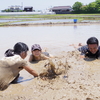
{"points": [[54, 67], [57, 66]]}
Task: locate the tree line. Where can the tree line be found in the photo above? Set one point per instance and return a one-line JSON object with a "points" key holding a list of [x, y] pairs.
{"points": [[93, 7]]}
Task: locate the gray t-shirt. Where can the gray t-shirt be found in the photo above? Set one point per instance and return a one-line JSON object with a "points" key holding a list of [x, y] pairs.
{"points": [[86, 52], [9, 69], [83, 49]]}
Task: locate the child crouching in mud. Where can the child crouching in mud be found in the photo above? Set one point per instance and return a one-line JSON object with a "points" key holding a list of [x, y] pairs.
{"points": [[12, 64], [37, 54]]}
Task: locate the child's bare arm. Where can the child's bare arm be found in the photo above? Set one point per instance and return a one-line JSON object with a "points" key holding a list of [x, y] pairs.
{"points": [[77, 45], [82, 56], [30, 58], [46, 57], [31, 71], [51, 56]]}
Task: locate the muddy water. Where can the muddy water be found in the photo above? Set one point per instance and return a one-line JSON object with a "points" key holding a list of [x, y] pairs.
{"points": [[55, 38], [82, 82]]}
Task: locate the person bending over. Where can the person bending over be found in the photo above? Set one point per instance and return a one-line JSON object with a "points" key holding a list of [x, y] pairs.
{"points": [[12, 64]]}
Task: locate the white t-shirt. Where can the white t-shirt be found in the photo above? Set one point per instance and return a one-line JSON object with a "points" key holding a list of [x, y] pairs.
{"points": [[10, 68]]}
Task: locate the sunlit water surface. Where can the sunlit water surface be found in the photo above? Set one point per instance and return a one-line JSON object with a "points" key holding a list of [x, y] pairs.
{"points": [[54, 38]]}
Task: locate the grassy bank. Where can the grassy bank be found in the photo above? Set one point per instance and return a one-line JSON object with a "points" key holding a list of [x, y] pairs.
{"points": [[80, 17], [56, 16]]}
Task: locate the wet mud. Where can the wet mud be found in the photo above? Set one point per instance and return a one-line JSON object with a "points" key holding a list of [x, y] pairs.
{"points": [[66, 77]]}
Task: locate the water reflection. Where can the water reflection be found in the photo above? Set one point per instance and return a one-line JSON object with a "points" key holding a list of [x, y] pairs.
{"points": [[75, 26], [46, 21], [21, 79], [7, 20]]}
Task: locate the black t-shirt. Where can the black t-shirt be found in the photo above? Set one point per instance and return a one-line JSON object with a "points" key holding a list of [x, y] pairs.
{"points": [[85, 51]]}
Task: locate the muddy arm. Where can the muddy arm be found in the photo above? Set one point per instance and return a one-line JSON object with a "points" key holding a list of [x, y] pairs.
{"points": [[31, 71]]}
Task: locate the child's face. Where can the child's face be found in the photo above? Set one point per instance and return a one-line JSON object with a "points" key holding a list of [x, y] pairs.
{"points": [[93, 48], [36, 53], [23, 55]]}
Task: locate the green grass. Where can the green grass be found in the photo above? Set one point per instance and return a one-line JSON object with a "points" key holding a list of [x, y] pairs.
{"points": [[55, 16], [80, 17]]}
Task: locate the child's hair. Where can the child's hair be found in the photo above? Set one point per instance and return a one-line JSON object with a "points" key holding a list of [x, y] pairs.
{"points": [[18, 48], [92, 40]]}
